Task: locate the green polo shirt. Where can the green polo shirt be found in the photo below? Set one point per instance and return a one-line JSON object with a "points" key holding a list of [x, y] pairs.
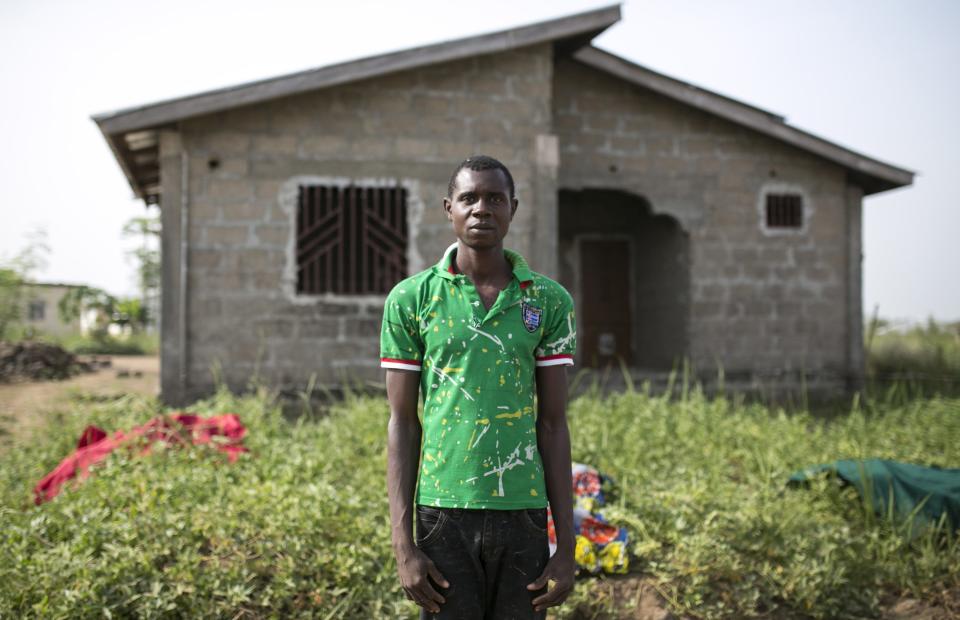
{"points": [[477, 379]]}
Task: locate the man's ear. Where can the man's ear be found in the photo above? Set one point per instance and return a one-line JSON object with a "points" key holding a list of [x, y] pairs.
{"points": [[514, 203], [447, 205]]}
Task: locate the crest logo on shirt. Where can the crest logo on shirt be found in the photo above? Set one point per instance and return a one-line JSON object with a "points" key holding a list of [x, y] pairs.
{"points": [[531, 316]]}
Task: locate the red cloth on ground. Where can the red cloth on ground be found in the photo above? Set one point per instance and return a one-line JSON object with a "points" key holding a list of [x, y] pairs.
{"points": [[94, 445]]}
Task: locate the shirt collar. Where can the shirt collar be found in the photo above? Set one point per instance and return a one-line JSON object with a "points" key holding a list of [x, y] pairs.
{"points": [[521, 270]]}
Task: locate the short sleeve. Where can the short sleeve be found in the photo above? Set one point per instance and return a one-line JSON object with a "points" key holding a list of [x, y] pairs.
{"points": [[559, 342], [401, 346]]}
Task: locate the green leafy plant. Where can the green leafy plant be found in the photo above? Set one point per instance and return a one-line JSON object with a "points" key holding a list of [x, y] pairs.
{"points": [[299, 528], [147, 259]]}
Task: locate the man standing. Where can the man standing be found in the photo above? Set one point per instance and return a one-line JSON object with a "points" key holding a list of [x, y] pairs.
{"points": [[477, 335]]}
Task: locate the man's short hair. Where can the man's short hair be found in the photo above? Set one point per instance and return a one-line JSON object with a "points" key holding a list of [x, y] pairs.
{"points": [[480, 162]]}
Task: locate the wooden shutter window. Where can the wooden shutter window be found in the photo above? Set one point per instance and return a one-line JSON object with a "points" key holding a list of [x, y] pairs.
{"points": [[351, 240], [784, 211]]}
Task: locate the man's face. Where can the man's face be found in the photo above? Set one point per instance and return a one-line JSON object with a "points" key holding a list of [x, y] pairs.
{"points": [[480, 208]]}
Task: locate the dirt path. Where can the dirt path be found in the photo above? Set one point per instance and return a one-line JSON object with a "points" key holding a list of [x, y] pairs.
{"points": [[26, 406]]}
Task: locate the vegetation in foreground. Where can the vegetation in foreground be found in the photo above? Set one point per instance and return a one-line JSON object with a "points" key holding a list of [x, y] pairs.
{"points": [[299, 526]]}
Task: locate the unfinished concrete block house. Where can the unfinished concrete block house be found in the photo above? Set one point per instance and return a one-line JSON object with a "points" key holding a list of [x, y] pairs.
{"points": [[687, 225]]}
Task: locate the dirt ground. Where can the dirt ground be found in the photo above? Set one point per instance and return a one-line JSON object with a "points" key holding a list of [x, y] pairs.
{"points": [[26, 405]]}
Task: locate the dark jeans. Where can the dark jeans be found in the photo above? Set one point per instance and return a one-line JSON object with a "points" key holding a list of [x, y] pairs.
{"points": [[488, 557]]}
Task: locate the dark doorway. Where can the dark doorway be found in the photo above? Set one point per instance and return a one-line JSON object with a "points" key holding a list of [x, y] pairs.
{"points": [[628, 269], [605, 301]]}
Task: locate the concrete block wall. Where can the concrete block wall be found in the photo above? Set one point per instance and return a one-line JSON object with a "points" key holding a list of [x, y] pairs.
{"points": [[410, 128], [759, 301]]}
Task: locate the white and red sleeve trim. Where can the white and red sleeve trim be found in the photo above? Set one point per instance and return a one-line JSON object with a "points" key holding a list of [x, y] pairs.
{"points": [[555, 360], [388, 362]]}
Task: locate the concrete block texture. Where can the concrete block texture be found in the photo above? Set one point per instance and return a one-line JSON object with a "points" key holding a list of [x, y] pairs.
{"points": [[410, 128], [592, 157], [759, 299]]}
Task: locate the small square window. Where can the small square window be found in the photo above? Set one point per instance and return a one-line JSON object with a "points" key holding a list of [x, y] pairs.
{"points": [[36, 310], [351, 240], [784, 211]]}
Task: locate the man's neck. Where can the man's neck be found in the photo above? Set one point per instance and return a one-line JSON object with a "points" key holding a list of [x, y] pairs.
{"points": [[483, 266]]}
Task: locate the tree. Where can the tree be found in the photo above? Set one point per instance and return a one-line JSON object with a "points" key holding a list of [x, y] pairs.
{"points": [[14, 275], [81, 299], [148, 260], [11, 300], [129, 312]]}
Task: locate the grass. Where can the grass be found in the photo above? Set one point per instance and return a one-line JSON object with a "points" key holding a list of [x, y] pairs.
{"points": [[289, 530], [704, 496], [926, 358], [134, 344], [299, 526]]}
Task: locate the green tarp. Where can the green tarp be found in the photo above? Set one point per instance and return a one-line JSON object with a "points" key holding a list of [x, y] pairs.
{"points": [[936, 491]]}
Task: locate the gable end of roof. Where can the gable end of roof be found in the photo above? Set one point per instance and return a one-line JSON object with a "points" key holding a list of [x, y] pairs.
{"points": [[132, 133], [583, 26], [871, 174]]}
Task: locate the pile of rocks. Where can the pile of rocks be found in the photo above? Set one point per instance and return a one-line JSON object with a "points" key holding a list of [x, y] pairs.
{"points": [[38, 360]]}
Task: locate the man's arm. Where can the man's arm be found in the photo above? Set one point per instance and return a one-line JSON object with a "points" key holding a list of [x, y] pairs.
{"points": [[403, 459], [553, 441]]}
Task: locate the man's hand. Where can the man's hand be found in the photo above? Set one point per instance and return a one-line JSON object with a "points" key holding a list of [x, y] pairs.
{"points": [[560, 569], [553, 441], [403, 455], [414, 568]]}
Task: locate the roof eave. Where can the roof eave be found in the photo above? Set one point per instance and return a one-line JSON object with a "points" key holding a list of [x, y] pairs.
{"points": [[589, 23], [118, 154], [569, 31], [872, 175]]}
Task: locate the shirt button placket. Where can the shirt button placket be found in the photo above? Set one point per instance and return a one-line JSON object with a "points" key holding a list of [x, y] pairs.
{"points": [[472, 300]]}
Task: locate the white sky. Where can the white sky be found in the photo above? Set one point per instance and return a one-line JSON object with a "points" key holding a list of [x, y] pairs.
{"points": [[878, 76]]}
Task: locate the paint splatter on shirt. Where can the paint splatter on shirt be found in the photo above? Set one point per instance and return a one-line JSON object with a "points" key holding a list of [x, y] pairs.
{"points": [[478, 379]]}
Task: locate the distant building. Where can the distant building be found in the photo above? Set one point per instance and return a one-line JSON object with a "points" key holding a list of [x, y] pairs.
{"points": [[687, 225], [41, 310]]}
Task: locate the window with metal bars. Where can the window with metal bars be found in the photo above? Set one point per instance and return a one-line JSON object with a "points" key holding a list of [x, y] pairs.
{"points": [[784, 211], [351, 240]]}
